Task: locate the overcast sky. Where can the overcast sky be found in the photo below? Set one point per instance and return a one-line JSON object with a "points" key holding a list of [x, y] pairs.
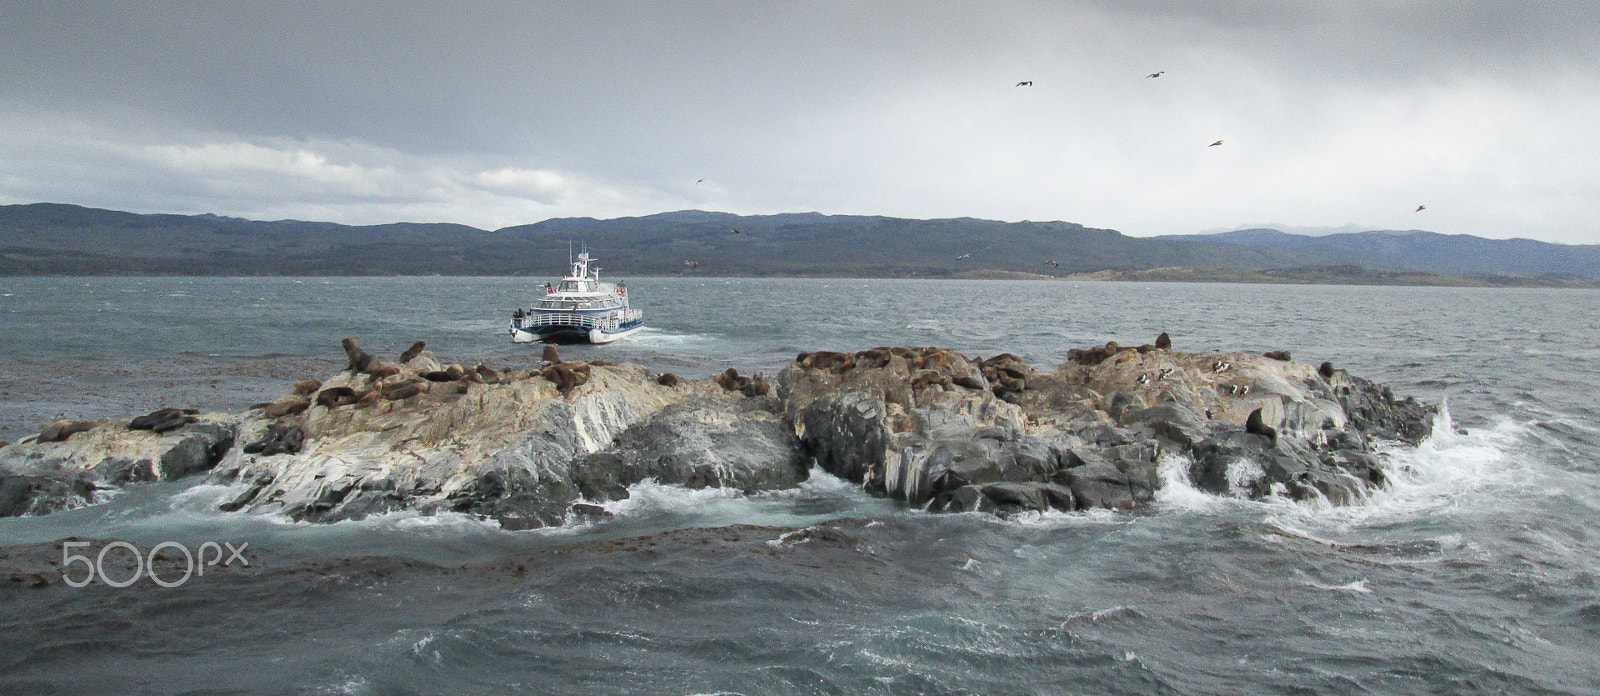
{"points": [[1330, 112]]}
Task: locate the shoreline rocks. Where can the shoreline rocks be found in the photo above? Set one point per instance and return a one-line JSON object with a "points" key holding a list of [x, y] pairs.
{"points": [[927, 426]]}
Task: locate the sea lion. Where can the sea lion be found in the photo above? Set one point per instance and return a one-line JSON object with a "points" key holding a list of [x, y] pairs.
{"points": [[876, 357], [731, 380], [413, 351], [667, 379], [369, 399], [173, 423], [438, 376], [487, 374], [602, 363], [1277, 355], [562, 376], [279, 439], [755, 386], [360, 360], [1164, 342], [334, 397], [287, 406], [1254, 424], [164, 420], [59, 431], [400, 391], [383, 372], [828, 361], [307, 387], [1326, 370], [455, 371], [937, 360], [550, 355]]}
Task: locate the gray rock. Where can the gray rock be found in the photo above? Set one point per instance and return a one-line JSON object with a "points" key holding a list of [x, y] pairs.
{"points": [[23, 495], [110, 455], [534, 448], [1098, 485]]}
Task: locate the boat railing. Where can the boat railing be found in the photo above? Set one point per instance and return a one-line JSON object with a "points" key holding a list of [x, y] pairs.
{"points": [[609, 322]]}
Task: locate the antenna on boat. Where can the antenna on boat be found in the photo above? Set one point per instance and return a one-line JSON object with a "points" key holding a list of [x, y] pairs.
{"points": [[569, 252]]}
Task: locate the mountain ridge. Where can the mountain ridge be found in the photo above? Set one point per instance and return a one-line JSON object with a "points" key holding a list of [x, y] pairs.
{"points": [[66, 239]]}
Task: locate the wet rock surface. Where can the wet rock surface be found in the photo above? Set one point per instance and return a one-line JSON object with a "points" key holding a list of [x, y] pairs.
{"points": [[932, 427], [927, 426], [69, 463]]}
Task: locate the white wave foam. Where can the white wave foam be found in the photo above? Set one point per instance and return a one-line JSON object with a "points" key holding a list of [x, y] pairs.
{"points": [[1177, 491], [1358, 587], [649, 337], [1432, 476], [651, 496], [1447, 464]]}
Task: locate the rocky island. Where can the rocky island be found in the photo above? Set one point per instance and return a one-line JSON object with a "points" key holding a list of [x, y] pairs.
{"points": [[930, 427]]}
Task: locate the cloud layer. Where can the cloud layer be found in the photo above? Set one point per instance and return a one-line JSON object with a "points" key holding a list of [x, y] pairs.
{"points": [[494, 114]]}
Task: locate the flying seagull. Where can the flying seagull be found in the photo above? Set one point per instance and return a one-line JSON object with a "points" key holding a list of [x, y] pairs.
{"points": [[1155, 74], [700, 181], [1052, 263], [1219, 142], [736, 231], [1025, 83], [691, 264], [964, 256], [1420, 208]]}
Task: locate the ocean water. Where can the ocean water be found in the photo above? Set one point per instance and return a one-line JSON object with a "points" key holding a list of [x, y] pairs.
{"points": [[1477, 571]]}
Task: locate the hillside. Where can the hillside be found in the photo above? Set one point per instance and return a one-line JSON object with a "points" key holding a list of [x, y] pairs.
{"points": [[55, 239]]}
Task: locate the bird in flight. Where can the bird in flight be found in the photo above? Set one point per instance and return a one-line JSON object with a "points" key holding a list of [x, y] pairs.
{"points": [[1052, 263], [1154, 74], [964, 256], [692, 264], [1025, 83], [1420, 208], [736, 231], [1219, 142], [700, 181]]}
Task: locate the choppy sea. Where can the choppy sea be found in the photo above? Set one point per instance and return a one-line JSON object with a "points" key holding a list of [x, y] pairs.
{"points": [[1478, 571]]}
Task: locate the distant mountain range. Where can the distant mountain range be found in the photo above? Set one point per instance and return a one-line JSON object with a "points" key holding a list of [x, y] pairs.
{"points": [[56, 239]]}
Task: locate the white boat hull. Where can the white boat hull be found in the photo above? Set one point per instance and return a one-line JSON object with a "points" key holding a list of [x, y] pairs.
{"points": [[598, 336]]}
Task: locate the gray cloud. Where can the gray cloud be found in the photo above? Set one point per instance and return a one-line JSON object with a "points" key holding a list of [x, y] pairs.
{"points": [[502, 113]]}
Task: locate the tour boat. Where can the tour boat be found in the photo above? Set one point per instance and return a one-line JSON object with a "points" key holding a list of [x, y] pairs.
{"points": [[580, 309]]}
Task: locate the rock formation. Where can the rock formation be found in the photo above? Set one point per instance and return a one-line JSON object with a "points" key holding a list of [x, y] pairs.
{"points": [[43, 474], [932, 427], [927, 426]]}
